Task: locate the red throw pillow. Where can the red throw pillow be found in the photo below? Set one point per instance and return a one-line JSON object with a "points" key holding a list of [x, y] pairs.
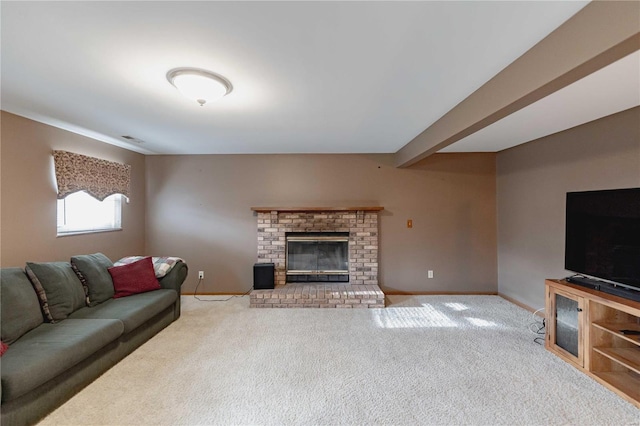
{"points": [[3, 347], [134, 278]]}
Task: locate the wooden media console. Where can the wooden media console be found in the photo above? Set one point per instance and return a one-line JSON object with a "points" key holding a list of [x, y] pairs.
{"points": [[593, 331]]}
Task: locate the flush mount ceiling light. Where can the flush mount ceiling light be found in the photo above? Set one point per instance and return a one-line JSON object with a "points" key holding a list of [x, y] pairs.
{"points": [[200, 85]]}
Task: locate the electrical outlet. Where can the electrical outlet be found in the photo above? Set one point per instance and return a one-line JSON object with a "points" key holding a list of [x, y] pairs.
{"points": [[429, 273], [200, 275]]}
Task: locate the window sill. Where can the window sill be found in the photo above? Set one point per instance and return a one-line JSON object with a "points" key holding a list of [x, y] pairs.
{"points": [[93, 231]]}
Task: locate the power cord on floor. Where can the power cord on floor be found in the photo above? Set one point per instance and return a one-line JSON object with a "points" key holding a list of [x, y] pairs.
{"points": [[538, 327], [195, 294]]}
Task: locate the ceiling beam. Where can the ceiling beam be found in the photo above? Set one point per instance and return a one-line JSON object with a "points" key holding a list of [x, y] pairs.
{"points": [[598, 35]]}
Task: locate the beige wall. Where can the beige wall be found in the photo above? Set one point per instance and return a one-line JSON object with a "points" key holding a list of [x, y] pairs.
{"points": [[199, 208], [28, 196], [532, 182]]}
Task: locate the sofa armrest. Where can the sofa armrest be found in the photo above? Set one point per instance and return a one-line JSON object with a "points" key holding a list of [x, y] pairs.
{"points": [[175, 277], [173, 280]]}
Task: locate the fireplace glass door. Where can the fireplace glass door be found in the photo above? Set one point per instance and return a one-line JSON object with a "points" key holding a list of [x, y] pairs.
{"points": [[317, 257]]}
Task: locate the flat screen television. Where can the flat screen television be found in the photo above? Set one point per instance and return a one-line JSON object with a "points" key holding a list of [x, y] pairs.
{"points": [[603, 235]]}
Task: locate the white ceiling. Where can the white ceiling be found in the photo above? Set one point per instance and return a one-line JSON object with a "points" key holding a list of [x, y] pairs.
{"points": [[308, 77], [612, 89]]}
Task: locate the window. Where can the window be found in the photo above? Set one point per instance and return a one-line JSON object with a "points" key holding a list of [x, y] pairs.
{"points": [[81, 213]]}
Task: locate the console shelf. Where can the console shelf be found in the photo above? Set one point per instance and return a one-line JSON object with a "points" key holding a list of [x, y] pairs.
{"points": [[627, 357], [614, 328], [624, 384], [584, 328]]}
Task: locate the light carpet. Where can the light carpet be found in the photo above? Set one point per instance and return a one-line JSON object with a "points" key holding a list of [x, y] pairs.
{"points": [[423, 360]]}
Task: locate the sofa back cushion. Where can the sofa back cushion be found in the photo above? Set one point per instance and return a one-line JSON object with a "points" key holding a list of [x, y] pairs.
{"points": [[59, 289], [92, 270], [19, 305]]}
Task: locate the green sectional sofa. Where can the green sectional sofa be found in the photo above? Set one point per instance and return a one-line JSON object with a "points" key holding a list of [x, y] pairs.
{"points": [[47, 362]]}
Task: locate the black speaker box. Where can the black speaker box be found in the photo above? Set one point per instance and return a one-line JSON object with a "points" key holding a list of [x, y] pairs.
{"points": [[263, 276]]}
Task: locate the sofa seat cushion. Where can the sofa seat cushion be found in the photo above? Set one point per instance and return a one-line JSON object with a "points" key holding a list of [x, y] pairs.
{"points": [[50, 350], [133, 311]]}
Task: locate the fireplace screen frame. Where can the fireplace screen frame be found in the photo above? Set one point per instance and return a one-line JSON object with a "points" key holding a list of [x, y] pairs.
{"points": [[324, 275]]}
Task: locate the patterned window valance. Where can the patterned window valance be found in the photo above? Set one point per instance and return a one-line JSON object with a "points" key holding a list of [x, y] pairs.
{"points": [[99, 178]]}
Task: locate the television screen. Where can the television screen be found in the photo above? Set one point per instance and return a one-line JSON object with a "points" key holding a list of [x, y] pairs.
{"points": [[603, 235]]}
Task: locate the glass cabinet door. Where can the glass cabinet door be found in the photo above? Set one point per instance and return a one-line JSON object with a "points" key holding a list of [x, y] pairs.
{"points": [[567, 324], [565, 330]]}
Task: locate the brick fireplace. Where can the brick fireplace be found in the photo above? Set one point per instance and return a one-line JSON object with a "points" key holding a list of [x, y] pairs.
{"points": [[361, 224]]}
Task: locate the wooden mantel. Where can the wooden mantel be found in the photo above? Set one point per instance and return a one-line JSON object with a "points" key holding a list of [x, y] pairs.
{"points": [[317, 209]]}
